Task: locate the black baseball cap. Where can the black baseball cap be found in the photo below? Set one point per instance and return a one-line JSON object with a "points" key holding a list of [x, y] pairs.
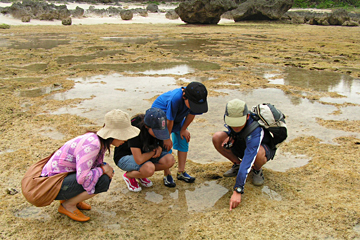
{"points": [[155, 118], [196, 93]]}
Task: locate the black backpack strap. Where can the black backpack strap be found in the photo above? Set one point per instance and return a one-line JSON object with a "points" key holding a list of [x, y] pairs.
{"points": [[249, 130]]}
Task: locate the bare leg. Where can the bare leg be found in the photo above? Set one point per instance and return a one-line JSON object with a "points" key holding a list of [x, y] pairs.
{"points": [[260, 159], [165, 163], [146, 170], [71, 203], [181, 161], [218, 139]]}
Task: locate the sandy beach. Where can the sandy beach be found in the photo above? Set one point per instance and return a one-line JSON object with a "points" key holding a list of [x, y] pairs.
{"points": [[57, 82]]}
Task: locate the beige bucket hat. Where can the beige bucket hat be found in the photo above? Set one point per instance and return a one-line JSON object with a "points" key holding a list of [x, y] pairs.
{"points": [[118, 126]]}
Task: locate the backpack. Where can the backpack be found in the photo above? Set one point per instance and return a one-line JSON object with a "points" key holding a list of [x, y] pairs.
{"points": [[271, 119]]}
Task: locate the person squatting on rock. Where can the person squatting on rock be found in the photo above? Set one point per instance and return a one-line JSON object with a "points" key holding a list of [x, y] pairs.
{"points": [[82, 157], [145, 154], [181, 105], [253, 149]]}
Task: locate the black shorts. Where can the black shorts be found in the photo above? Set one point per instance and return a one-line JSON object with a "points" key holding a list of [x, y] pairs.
{"points": [[239, 152], [70, 187]]}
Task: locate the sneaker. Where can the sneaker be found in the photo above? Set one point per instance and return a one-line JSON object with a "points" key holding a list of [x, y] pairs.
{"points": [[145, 182], [233, 171], [169, 181], [132, 184], [258, 177], [185, 177]]}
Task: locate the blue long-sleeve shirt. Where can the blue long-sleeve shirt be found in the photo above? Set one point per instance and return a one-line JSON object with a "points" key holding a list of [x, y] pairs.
{"points": [[247, 149]]}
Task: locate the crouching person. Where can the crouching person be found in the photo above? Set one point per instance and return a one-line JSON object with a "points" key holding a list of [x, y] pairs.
{"points": [[80, 161], [248, 152], [145, 154]]}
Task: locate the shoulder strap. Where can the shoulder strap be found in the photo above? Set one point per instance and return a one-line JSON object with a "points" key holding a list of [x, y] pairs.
{"points": [[249, 129]]}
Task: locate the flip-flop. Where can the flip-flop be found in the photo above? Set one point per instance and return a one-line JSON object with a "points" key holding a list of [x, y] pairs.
{"points": [[76, 215]]}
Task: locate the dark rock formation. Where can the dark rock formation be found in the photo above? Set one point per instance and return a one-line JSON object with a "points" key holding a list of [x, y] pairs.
{"points": [[153, 8], [204, 11], [261, 10], [78, 12], [67, 21], [126, 14]]}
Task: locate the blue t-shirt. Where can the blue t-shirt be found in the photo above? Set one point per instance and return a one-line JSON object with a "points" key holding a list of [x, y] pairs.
{"points": [[174, 106]]}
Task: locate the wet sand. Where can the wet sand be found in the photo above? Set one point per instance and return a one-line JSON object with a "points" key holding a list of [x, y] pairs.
{"points": [[44, 104]]}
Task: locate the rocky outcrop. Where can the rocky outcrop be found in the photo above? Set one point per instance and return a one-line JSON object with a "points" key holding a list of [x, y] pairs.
{"points": [[203, 11], [261, 10], [339, 17], [37, 10]]}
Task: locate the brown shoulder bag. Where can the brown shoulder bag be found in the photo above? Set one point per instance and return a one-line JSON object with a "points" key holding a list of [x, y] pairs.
{"points": [[41, 191]]}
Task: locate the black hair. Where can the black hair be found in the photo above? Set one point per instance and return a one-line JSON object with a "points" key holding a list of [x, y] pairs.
{"points": [[149, 142], [105, 143]]}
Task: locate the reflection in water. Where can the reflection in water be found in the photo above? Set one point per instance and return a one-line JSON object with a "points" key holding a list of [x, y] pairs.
{"points": [[106, 92], [36, 92], [319, 81], [176, 70]]}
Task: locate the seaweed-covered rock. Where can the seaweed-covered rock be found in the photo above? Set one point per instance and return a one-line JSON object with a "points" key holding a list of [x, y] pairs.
{"points": [[338, 17]]}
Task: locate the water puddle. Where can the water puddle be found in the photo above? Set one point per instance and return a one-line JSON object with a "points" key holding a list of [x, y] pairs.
{"points": [[271, 193], [132, 40], [106, 92], [86, 58], [51, 133], [135, 94], [33, 213], [284, 161], [25, 79], [154, 197], [35, 43], [203, 197], [322, 81], [153, 68], [36, 92]]}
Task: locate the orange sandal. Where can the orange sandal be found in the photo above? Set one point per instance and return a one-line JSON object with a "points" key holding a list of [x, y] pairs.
{"points": [[76, 215], [81, 205]]}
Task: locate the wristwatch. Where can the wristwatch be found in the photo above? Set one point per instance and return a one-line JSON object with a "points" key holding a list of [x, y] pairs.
{"points": [[239, 190]]}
